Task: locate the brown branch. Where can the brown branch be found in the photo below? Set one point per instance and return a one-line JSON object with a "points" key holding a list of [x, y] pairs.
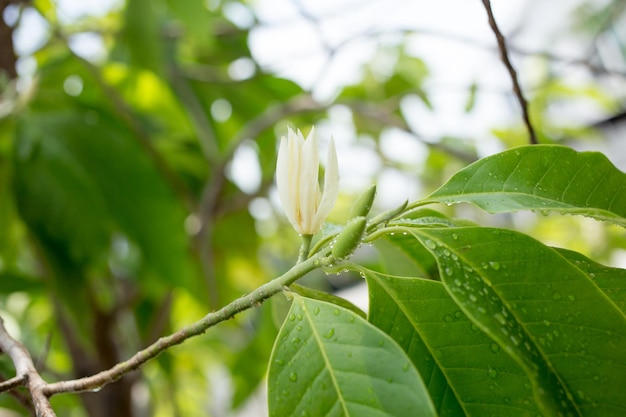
{"points": [[504, 55], [25, 369]]}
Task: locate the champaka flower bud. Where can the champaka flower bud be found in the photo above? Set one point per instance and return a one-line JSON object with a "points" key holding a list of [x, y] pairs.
{"points": [[297, 170]]}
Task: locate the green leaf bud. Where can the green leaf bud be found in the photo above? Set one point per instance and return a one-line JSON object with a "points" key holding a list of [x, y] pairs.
{"points": [[349, 238], [363, 204]]}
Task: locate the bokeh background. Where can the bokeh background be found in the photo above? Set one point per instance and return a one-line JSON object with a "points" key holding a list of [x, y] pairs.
{"points": [[137, 151]]}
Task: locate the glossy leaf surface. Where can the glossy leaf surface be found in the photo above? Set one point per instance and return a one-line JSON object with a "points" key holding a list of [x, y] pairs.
{"points": [[546, 313], [328, 361], [543, 177], [466, 372]]}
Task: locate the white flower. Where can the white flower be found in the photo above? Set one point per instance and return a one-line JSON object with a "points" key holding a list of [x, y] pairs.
{"points": [[305, 205]]}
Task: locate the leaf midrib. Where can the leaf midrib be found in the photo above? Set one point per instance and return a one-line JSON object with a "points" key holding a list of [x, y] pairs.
{"points": [[327, 362]]}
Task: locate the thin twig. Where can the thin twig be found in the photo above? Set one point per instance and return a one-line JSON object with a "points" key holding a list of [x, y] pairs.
{"points": [[262, 293], [9, 384], [504, 55]]}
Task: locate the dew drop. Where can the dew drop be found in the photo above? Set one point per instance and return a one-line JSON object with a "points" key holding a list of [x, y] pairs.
{"points": [[336, 312], [492, 372], [500, 318], [448, 318], [430, 244], [495, 348], [494, 265], [292, 317], [293, 377], [316, 311], [330, 333]]}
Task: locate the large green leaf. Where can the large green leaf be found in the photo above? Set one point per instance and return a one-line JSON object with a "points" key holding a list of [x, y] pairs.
{"points": [[544, 177], [328, 361], [468, 374], [81, 175], [610, 280], [545, 312]]}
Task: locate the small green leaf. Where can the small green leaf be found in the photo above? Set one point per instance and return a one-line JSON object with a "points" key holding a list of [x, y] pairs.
{"points": [[328, 361], [541, 177]]}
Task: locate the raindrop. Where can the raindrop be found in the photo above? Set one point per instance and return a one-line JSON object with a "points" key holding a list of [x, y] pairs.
{"points": [[455, 236], [406, 367], [492, 372], [280, 362], [293, 377], [299, 328], [495, 265], [449, 271], [316, 311], [556, 296], [292, 317], [500, 318], [336, 312], [495, 348], [448, 318], [330, 333], [430, 244]]}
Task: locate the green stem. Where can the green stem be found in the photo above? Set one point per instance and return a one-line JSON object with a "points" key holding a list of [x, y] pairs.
{"points": [[256, 297], [304, 249]]}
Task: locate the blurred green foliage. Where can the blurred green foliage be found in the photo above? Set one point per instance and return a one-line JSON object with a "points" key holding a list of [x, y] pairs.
{"points": [[120, 221]]}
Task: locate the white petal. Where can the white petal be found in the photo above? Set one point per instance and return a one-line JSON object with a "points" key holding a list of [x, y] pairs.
{"points": [[308, 183], [331, 186], [284, 177]]}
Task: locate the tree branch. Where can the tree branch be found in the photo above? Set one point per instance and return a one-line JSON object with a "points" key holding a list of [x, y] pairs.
{"points": [[504, 55], [25, 370], [262, 293]]}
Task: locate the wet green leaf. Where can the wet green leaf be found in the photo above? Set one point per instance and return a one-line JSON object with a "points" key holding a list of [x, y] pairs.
{"points": [[328, 361], [542, 310], [543, 177]]}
